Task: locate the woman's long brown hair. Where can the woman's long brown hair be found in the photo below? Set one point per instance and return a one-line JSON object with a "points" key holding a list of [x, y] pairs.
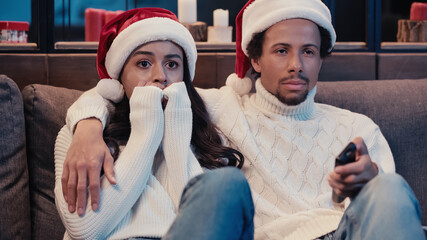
{"points": [[208, 147]]}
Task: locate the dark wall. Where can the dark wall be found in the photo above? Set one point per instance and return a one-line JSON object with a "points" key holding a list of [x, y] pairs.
{"points": [[205, 10], [350, 17], [75, 30], [349, 21], [391, 12]]}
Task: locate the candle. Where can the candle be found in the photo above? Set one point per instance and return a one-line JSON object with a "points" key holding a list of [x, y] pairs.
{"points": [[220, 17], [94, 20], [418, 11], [187, 11], [108, 15]]}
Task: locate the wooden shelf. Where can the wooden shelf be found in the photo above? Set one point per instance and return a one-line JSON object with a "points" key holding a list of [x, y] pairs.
{"points": [[350, 45], [201, 46], [217, 46], [94, 46], [404, 45], [18, 46], [76, 45]]}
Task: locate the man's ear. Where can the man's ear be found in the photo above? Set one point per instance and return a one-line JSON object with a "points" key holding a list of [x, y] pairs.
{"points": [[256, 65]]}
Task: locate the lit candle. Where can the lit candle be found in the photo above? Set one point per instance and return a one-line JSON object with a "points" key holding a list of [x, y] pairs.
{"points": [[220, 18], [187, 11]]}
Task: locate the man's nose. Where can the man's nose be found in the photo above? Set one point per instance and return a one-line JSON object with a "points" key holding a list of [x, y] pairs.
{"points": [[295, 63]]}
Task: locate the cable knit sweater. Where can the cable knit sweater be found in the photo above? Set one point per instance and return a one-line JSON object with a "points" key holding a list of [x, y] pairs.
{"points": [[144, 201], [289, 151]]}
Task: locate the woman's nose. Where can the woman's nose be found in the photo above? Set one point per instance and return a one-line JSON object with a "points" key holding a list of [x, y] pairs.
{"points": [[159, 75]]}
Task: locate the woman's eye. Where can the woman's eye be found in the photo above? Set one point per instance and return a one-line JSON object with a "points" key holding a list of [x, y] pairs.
{"points": [[172, 64], [144, 63]]}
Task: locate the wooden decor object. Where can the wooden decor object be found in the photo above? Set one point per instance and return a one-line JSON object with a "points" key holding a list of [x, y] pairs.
{"points": [[198, 30], [412, 31]]}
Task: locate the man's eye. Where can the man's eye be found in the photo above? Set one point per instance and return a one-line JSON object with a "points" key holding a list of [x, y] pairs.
{"points": [[281, 51], [309, 52]]}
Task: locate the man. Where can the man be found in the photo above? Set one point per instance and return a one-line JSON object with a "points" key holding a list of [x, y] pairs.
{"points": [[290, 142]]}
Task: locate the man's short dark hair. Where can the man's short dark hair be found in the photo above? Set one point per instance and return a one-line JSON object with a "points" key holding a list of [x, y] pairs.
{"points": [[325, 42], [255, 46]]}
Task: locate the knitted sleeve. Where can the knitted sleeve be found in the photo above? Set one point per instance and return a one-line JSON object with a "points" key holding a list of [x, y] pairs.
{"points": [[218, 101], [180, 160], [132, 169], [89, 104], [378, 148]]}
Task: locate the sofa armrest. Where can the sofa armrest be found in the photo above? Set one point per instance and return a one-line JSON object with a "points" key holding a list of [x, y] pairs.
{"points": [[45, 109], [14, 191], [399, 108]]}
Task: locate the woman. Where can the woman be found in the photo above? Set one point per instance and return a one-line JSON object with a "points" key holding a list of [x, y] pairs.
{"points": [[161, 138]]}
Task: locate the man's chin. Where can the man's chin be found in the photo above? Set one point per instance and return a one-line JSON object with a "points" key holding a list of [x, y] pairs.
{"points": [[292, 99]]}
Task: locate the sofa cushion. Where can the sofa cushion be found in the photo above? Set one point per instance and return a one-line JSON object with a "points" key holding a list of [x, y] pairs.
{"points": [[399, 108], [401, 65], [45, 110], [14, 218]]}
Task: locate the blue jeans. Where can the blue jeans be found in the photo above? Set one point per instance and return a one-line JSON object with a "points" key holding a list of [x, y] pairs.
{"points": [[215, 205], [386, 208]]}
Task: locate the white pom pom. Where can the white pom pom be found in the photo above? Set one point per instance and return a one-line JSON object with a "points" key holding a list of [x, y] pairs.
{"points": [[241, 86], [110, 89]]}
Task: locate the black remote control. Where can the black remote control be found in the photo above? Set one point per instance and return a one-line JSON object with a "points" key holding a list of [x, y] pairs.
{"points": [[348, 155]]}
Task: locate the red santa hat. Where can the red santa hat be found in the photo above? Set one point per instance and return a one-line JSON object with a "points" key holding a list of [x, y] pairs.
{"points": [[257, 16], [129, 30]]}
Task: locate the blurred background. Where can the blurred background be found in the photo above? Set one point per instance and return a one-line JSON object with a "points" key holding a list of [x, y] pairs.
{"points": [[353, 20]]}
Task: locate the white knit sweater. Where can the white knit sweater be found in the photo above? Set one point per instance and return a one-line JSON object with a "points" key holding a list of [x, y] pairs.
{"points": [[145, 199], [289, 151]]}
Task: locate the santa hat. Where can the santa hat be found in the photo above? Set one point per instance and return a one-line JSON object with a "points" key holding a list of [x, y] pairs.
{"points": [[129, 30], [257, 16]]}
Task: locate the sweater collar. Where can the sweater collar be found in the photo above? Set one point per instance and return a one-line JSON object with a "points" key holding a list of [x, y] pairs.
{"points": [[267, 102]]}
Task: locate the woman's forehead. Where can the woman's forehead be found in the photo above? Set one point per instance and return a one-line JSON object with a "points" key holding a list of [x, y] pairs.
{"points": [[161, 45]]}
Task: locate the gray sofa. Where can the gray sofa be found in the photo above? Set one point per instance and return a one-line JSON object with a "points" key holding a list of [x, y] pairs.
{"points": [[399, 107]]}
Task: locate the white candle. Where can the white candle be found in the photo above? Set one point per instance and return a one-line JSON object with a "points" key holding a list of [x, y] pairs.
{"points": [[220, 17], [187, 11]]}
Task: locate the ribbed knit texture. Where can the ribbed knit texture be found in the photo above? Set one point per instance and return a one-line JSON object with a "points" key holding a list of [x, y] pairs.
{"points": [[289, 152], [143, 203], [81, 110]]}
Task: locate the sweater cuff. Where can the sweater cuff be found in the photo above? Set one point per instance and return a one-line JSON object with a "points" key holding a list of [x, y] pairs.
{"points": [[88, 112], [178, 117], [148, 97], [90, 104], [146, 109], [177, 96]]}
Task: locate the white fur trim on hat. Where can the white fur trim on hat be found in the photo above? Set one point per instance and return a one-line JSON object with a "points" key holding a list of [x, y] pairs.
{"points": [[148, 30], [262, 14], [241, 86], [110, 89]]}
